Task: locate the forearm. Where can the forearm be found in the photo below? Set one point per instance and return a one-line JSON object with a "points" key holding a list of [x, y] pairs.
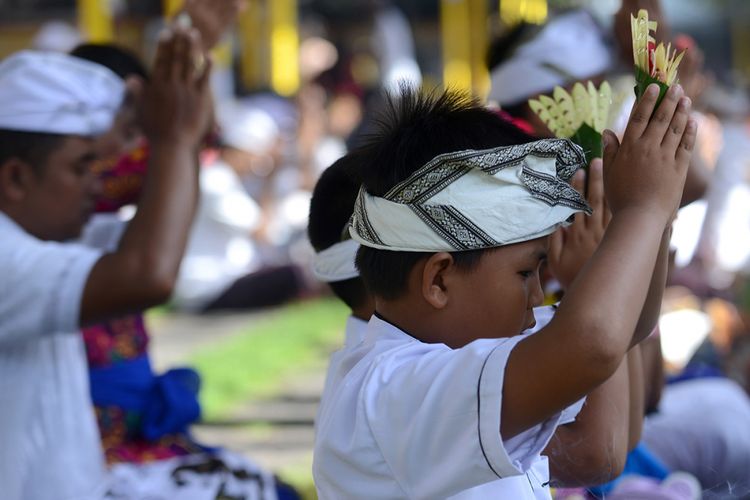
{"points": [[593, 449], [157, 236], [596, 321], [652, 307], [637, 398]]}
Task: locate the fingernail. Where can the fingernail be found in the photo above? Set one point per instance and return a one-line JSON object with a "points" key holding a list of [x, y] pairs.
{"points": [[676, 89], [652, 89], [685, 102]]}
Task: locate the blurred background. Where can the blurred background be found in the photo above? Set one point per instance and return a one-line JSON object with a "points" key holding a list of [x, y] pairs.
{"points": [[295, 84]]}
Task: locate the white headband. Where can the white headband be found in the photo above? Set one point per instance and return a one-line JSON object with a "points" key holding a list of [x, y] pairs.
{"points": [[471, 199], [569, 48], [58, 94], [336, 263]]}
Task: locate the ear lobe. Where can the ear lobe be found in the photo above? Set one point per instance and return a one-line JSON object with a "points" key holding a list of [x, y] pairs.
{"points": [[16, 177], [434, 289]]}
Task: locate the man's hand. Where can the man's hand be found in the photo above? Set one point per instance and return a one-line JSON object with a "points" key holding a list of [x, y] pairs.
{"points": [[176, 105], [570, 248], [213, 18]]}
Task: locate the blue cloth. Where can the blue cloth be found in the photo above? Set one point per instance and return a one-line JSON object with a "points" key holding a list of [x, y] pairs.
{"points": [[168, 403], [640, 462]]}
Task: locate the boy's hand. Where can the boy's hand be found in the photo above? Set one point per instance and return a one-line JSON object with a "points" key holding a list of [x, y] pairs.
{"points": [[647, 171], [571, 247], [176, 106]]}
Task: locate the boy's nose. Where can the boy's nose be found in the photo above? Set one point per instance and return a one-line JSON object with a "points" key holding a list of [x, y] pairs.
{"points": [[536, 293]]}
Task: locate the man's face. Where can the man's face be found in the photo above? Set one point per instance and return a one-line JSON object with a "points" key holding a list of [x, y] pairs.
{"points": [[60, 198], [496, 298]]}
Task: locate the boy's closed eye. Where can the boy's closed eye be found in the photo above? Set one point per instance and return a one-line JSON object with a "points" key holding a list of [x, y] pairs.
{"points": [[532, 271]]}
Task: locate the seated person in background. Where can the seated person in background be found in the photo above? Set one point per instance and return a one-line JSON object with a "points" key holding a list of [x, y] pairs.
{"points": [[453, 234], [225, 266], [53, 106]]}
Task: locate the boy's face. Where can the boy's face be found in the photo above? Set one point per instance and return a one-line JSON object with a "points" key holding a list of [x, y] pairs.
{"points": [[59, 197], [496, 298]]}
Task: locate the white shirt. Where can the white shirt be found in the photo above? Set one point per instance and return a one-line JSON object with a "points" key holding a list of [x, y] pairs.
{"points": [[220, 249], [50, 447], [403, 419]]}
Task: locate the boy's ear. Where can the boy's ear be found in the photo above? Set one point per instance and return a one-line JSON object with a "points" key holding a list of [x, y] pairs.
{"points": [[16, 176], [434, 289]]}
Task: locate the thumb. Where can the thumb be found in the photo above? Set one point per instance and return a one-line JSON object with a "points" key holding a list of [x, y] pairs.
{"points": [[611, 145]]}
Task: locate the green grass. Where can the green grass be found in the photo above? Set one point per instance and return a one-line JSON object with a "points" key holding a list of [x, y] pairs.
{"points": [[255, 363]]}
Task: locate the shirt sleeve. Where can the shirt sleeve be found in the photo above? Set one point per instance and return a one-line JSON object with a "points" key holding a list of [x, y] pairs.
{"points": [[436, 419], [42, 287]]}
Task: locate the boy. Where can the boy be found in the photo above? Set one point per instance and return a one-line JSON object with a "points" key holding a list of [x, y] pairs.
{"points": [[451, 253], [53, 107], [590, 445]]}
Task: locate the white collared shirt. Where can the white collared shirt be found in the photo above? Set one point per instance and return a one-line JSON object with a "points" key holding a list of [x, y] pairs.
{"points": [[403, 419], [49, 441]]}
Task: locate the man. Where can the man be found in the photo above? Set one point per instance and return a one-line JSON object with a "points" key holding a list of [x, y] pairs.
{"points": [[52, 107]]}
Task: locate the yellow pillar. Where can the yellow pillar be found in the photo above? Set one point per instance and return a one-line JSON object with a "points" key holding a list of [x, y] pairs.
{"points": [[95, 20], [456, 43], [479, 14], [284, 46], [253, 35], [171, 7], [513, 12]]}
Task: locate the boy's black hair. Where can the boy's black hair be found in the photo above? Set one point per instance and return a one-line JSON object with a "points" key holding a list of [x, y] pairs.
{"points": [[120, 61], [331, 207], [414, 128], [33, 148]]}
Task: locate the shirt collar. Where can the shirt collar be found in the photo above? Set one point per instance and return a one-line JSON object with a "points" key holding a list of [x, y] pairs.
{"points": [[355, 331]]}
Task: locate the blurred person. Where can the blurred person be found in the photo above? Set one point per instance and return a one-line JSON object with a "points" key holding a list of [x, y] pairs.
{"points": [[53, 105], [223, 266], [532, 60], [56, 36]]}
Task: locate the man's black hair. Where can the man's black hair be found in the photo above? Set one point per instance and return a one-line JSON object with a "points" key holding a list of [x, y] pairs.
{"points": [[414, 128], [33, 148], [331, 207], [120, 61]]}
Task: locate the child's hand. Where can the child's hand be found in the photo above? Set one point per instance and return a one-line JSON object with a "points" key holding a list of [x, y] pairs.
{"points": [[571, 247], [176, 105], [647, 171]]}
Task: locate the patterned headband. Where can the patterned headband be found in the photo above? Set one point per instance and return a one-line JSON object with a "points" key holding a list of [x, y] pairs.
{"points": [[469, 200]]}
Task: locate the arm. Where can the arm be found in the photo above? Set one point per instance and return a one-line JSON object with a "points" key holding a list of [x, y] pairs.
{"points": [[593, 449], [593, 328], [212, 18], [176, 109], [637, 396]]}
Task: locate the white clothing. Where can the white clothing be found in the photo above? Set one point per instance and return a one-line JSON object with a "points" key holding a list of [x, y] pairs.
{"points": [[50, 442], [57, 94], [709, 439], [570, 47], [472, 199], [193, 477], [220, 249], [403, 419]]}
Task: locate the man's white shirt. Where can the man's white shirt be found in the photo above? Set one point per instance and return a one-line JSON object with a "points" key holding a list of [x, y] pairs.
{"points": [[50, 442], [403, 419]]}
